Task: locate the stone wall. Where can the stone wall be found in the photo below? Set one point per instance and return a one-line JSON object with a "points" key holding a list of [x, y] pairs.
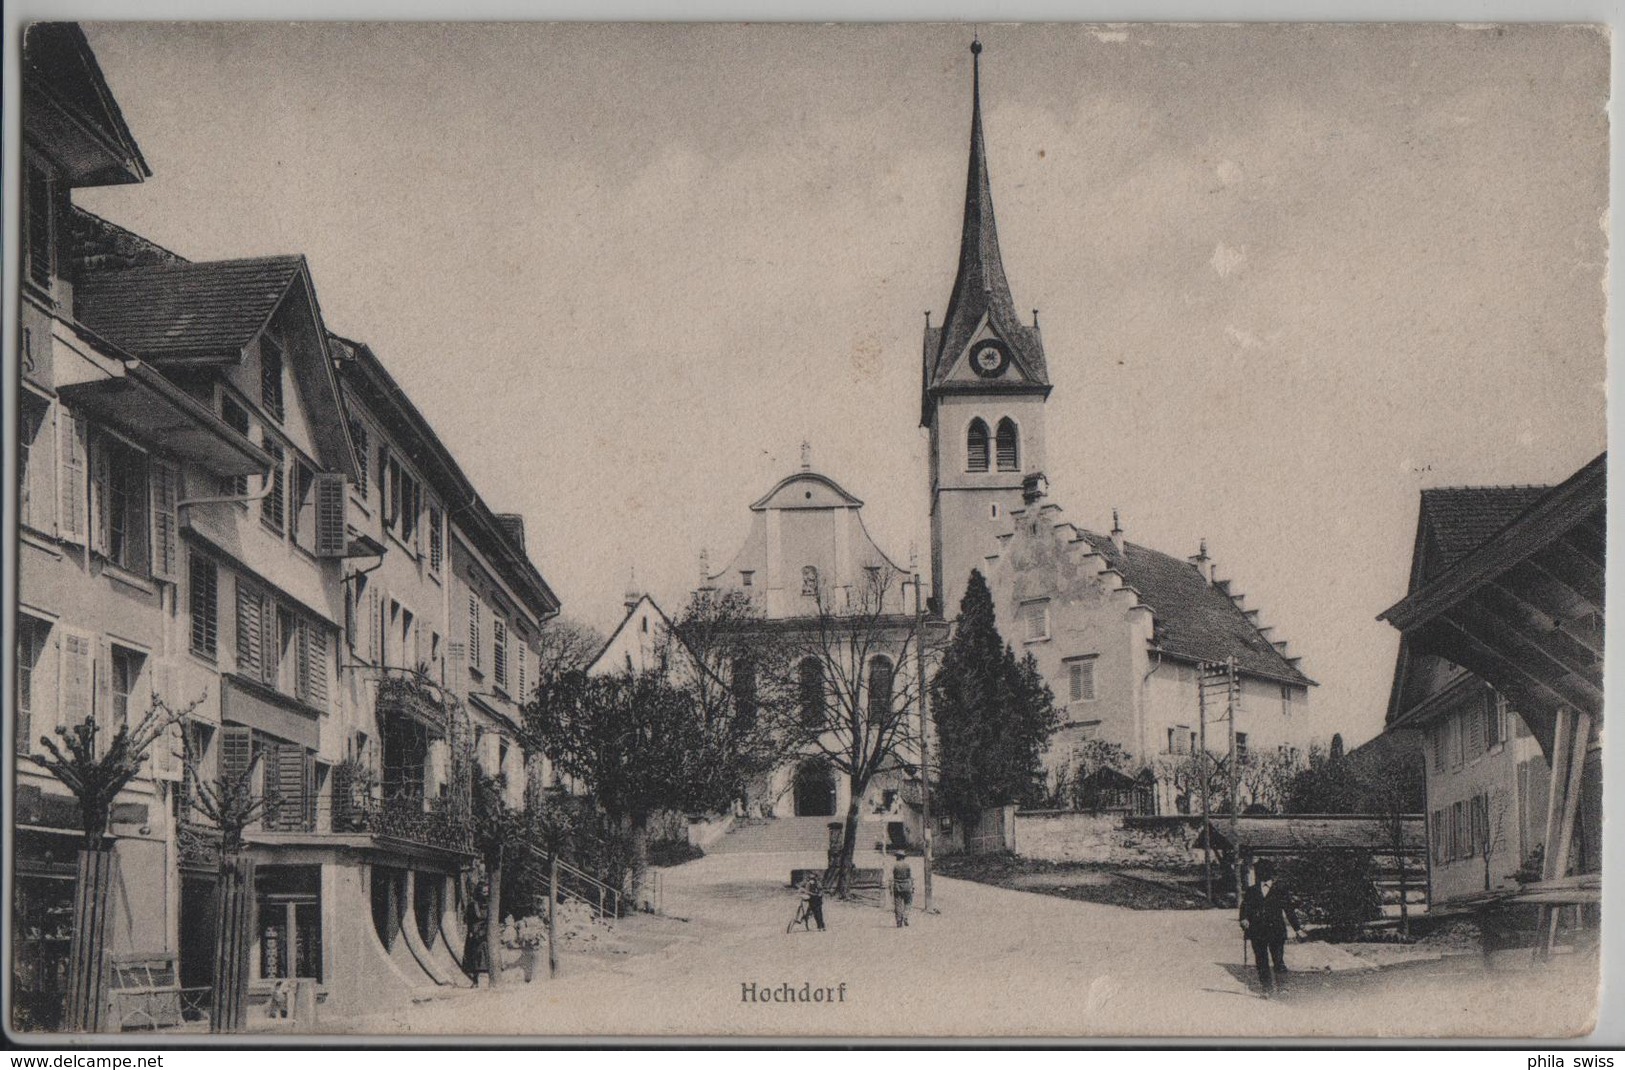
{"points": [[1105, 838]]}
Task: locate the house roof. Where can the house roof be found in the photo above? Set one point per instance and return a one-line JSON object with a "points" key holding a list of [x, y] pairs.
{"points": [[180, 310], [1303, 833], [1195, 619], [980, 286], [1455, 521], [69, 105]]}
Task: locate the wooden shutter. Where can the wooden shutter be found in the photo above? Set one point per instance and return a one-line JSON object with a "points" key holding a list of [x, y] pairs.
{"points": [[331, 497], [163, 480], [236, 750], [166, 750], [250, 631], [98, 494], [375, 627], [474, 630], [78, 668], [316, 664], [103, 675], [286, 772], [72, 463]]}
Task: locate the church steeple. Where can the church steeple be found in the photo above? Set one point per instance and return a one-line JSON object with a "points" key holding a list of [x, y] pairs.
{"points": [[981, 298]]}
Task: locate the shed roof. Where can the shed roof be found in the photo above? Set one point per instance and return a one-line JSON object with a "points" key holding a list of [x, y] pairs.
{"points": [[1288, 834]]}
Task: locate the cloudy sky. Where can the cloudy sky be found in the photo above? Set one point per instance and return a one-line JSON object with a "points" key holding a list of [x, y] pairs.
{"points": [[1287, 276]]}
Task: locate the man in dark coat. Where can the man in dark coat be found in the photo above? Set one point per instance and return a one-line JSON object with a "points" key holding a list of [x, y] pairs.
{"points": [[1265, 911]]}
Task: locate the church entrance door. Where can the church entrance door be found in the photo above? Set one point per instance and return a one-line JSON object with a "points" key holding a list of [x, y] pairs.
{"points": [[815, 789]]}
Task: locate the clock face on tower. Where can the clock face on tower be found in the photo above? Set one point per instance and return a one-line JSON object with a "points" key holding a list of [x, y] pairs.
{"points": [[989, 357]]}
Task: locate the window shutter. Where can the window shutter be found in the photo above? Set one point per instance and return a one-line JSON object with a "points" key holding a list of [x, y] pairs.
{"points": [[166, 749], [331, 497], [316, 664], [102, 672], [77, 665], [521, 693], [287, 769], [301, 657], [474, 630], [250, 631], [310, 790], [236, 750], [375, 628], [71, 478], [976, 447], [165, 552], [98, 495]]}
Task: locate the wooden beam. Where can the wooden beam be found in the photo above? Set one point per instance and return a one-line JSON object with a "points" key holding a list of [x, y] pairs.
{"points": [[1495, 640], [1566, 565], [1535, 628], [1546, 925], [1555, 600], [1571, 810]]}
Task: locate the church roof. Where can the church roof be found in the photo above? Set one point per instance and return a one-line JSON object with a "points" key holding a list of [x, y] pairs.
{"points": [[980, 287], [184, 309], [1195, 619]]}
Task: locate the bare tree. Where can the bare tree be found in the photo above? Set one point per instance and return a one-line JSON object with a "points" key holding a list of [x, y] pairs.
{"points": [[857, 695]]}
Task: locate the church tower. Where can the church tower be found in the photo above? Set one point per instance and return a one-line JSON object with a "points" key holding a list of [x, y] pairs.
{"points": [[984, 385]]}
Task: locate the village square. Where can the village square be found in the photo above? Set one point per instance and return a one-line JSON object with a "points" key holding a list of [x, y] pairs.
{"points": [[313, 736]]}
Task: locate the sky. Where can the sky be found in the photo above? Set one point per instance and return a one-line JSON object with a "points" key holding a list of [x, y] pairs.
{"points": [[1288, 276]]}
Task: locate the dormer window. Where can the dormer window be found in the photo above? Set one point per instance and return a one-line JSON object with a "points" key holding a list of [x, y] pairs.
{"points": [[976, 447], [271, 375]]}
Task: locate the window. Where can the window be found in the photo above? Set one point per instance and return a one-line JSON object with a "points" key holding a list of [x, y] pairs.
{"points": [[1286, 700], [880, 691], [976, 447], [39, 239], [288, 942], [1459, 847], [1035, 615], [1436, 745], [521, 652], [1437, 833], [271, 375], [282, 664], [499, 652], [273, 504], [120, 477], [1080, 674], [1475, 733], [474, 631], [809, 581], [32, 635], [126, 672], [993, 511], [437, 540], [203, 586], [35, 472], [1008, 446], [746, 578], [403, 500], [1241, 746], [810, 678], [1179, 739], [363, 455], [1496, 714], [1456, 741], [235, 417]]}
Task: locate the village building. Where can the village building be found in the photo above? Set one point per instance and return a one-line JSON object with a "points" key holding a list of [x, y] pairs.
{"points": [[1499, 674], [806, 563], [225, 501], [1122, 633]]}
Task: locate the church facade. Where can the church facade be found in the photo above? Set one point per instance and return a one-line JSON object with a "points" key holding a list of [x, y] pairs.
{"points": [[1123, 634]]}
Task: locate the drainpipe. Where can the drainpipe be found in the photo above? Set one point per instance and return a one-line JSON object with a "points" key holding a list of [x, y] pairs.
{"points": [[244, 499]]}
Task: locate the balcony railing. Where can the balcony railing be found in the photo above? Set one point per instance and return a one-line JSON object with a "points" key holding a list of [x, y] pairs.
{"points": [[409, 695], [406, 820]]}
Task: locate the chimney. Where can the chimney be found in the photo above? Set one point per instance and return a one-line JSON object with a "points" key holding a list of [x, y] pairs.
{"points": [[513, 526], [1204, 564], [1033, 488], [1117, 532]]}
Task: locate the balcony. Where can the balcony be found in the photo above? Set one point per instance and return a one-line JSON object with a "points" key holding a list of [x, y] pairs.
{"points": [[406, 694]]}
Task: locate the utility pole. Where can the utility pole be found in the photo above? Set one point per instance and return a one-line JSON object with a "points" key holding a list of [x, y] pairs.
{"points": [[1233, 691], [925, 738], [1201, 758]]}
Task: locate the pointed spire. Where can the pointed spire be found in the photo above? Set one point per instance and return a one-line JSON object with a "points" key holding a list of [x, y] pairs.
{"points": [[980, 285]]}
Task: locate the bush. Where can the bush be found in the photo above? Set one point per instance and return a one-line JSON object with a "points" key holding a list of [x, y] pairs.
{"points": [[1338, 891], [673, 852]]}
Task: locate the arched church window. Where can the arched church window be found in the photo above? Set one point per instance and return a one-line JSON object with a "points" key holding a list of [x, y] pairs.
{"points": [[1009, 446], [976, 446], [880, 690], [809, 581], [810, 699]]}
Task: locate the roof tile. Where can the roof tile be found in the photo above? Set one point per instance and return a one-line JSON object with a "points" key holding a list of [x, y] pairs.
{"points": [[185, 309]]}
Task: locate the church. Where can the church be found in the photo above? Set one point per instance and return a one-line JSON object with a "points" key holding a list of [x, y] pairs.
{"points": [[1125, 635]]}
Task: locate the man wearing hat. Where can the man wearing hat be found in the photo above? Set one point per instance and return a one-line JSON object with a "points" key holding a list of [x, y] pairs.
{"points": [[902, 889], [1265, 911]]}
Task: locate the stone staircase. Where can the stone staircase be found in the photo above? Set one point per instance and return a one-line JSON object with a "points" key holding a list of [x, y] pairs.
{"points": [[792, 835]]}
